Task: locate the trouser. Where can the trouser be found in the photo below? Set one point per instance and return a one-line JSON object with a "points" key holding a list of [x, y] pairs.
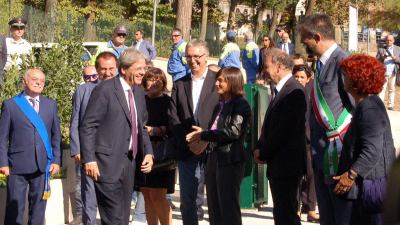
{"points": [[114, 199], [17, 186], [223, 190], [189, 178], [390, 84], [284, 193], [308, 193], [333, 210]]}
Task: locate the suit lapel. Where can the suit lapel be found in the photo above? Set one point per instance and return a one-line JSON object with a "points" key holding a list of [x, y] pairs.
{"points": [[138, 103], [188, 90], [331, 60], [279, 96], [209, 82], [119, 92]]}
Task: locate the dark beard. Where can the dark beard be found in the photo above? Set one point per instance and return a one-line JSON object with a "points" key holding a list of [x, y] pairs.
{"points": [[309, 51]]}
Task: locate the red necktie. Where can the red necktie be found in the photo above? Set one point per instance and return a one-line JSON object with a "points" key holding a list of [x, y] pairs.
{"points": [[133, 123]]}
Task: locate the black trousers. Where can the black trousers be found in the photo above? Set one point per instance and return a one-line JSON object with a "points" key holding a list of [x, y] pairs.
{"points": [[114, 199], [308, 193], [285, 198], [223, 189]]}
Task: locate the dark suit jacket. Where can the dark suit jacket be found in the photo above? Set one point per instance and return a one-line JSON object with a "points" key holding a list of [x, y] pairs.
{"points": [[79, 104], [21, 147], [282, 142], [147, 49], [368, 144], [290, 45], [228, 140], [331, 83], [180, 113], [106, 129]]}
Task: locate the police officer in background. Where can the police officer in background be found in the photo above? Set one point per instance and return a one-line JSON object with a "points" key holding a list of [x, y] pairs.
{"points": [[16, 45]]}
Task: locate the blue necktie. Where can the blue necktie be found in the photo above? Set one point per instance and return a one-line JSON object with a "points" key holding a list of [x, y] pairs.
{"points": [[319, 67]]}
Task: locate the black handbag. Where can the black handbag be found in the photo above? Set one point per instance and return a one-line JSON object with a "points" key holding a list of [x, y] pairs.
{"points": [[164, 155]]}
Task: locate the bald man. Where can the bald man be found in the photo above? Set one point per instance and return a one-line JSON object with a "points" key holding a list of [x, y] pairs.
{"points": [[30, 140], [90, 74], [285, 45]]}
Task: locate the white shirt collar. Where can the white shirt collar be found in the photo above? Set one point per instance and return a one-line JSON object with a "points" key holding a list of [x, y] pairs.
{"points": [[125, 84], [327, 54], [37, 99], [202, 76], [20, 41], [282, 82]]}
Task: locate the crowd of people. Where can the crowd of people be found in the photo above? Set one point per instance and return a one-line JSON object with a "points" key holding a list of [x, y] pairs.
{"points": [[326, 131]]}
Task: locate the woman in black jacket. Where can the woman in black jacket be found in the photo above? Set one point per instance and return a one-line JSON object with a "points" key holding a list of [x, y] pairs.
{"points": [[225, 151], [368, 150]]}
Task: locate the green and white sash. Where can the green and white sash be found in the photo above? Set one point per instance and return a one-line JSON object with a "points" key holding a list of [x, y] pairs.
{"points": [[335, 130]]}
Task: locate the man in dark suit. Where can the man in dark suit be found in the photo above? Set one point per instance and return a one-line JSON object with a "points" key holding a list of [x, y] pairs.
{"points": [[282, 141], [285, 45], [114, 140], [390, 56], [85, 197], [193, 99], [3, 56], [144, 46], [30, 140], [317, 34]]}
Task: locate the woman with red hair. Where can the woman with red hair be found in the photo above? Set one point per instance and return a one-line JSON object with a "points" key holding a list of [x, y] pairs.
{"points": [[368, 150]]}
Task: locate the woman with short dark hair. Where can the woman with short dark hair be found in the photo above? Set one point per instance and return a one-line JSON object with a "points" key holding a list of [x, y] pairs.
{"points": [[368, 150], [225, 151]]}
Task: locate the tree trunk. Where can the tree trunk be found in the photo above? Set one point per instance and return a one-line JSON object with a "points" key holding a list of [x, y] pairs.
{"points": [[204, 18], [50, 12], [274, 23], [184, 17], [231, 16], [259, 23], [90, 27], [310, 7]]}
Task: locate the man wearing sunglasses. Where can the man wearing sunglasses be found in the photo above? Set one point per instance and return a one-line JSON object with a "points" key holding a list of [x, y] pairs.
{"points": [[116, 45], [85, 198], [16, 45]]}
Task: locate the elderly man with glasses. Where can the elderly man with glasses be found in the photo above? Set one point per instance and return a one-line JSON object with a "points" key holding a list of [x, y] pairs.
{"points": [[16, 45]]}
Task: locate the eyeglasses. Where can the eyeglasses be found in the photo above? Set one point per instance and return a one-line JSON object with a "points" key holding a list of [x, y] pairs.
{"points": [[175, 35], [90, 76], [121, 35], [194, 57], [266, 39]]}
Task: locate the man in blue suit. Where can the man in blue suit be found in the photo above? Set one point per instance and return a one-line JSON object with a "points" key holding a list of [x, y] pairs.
{"points": [[285, 45], [85, 196], [29, 149], [144, 46]]}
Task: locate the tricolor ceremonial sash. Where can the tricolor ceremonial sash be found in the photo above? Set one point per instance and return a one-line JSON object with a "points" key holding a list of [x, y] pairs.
{"points": [[38, 123], [335, 130]]}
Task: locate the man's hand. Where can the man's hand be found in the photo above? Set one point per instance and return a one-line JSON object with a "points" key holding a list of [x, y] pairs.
{"points": [[147, 164], [198, 147], [195, 135], [344, 183], [77, 158], [149, 130], [5, 170], [256, 157], [54, 168], [92, 170]]}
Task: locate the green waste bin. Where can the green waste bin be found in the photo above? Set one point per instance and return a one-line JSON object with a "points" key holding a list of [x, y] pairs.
{"points": [[253, 189]]}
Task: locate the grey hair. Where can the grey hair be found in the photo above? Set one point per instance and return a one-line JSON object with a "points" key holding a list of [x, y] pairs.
{"points": [[248, 35], [198, 43], [279, 56], [28, 71], [129, 57]]}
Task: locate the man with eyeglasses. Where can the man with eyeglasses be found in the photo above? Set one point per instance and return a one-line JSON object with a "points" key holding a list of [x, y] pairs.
{"points": [[193, 100], [177, 65], [116, 45], [144, 46], [85, 198], [16, 45]]}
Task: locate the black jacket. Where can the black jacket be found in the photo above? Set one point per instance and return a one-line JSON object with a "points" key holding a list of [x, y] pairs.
{"points": [[228, 139]]}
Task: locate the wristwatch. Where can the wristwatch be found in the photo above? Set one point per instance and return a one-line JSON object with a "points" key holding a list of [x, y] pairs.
{"points": [[352, 175]]}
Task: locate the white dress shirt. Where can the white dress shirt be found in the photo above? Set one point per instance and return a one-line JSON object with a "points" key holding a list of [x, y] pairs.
{"points": [[197, 85], [282, 82], [389, 63], [16, 48], [327, 54], [37, 99], [126, 87]]}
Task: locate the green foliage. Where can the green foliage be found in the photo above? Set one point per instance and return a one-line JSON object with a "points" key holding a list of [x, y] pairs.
{"points": [[3, 180], [63, 67], [387, 17]]}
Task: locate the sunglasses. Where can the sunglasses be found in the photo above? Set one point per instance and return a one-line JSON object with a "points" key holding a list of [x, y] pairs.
{"points": [[90, 76], [176, 35], [121, 35]]}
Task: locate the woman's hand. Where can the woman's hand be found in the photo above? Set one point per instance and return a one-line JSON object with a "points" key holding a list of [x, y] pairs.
{"points": [[344, 183], [195, 135]]}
